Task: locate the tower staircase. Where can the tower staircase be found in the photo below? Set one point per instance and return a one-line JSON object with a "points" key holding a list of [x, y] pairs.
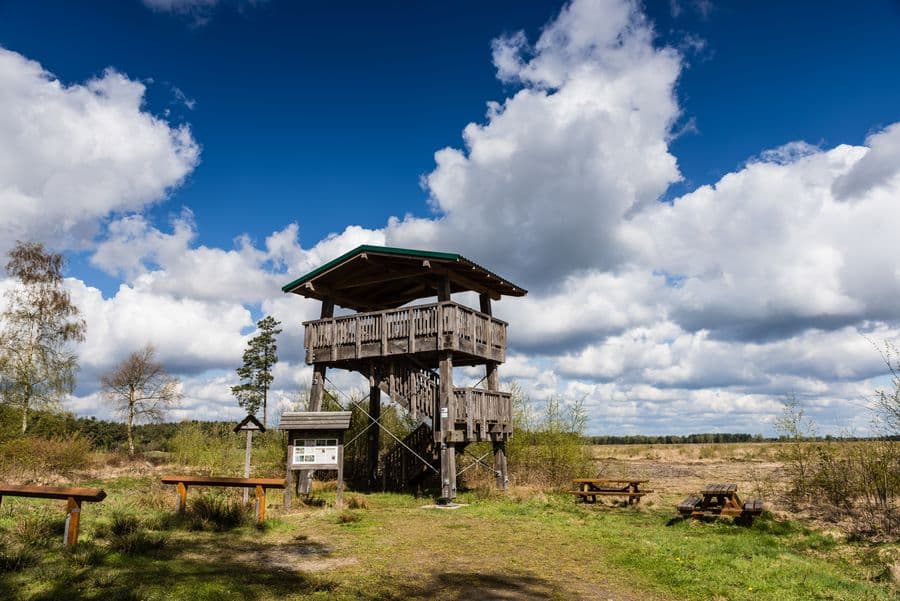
{"points": [[415, 388]]}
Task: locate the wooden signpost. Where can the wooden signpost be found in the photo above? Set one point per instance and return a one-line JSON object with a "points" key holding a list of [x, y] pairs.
{"points": [[315, 442], [249, 425]]}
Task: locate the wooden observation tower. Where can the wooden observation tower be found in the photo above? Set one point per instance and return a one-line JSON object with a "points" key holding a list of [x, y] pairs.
{"points": [[408, 349]]}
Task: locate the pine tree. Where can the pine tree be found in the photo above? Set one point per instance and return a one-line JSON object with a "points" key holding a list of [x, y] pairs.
{"points": [[256, 372], [39, 323]]}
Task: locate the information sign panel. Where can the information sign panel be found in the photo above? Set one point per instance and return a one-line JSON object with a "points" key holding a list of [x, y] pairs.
{"points": [[315, 451]]}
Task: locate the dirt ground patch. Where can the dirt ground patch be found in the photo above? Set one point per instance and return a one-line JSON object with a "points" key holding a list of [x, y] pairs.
{"points": [[676, 471]]}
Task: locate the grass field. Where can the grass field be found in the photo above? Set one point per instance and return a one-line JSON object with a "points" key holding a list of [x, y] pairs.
{"points": [[524, 545]]}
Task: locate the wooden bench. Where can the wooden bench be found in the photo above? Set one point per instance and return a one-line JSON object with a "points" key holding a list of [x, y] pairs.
{"points": [[591, 488], [720, 499], [260, 484], [72, 496]]}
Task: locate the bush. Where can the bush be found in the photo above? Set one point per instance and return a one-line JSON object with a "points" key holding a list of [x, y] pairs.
{"points": [[858, 482], [547, 448], [127, 534], [356, 502], [39, 528], [217, 513], [33, 457], [14, 558], [348, 517], [214, 448]]}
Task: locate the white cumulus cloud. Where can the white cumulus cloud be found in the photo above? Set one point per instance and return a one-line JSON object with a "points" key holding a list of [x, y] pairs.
{"points": [[70, 155]]}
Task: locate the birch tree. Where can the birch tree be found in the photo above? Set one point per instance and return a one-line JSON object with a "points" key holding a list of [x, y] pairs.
{"points": [[37, 329], [140, 390]]}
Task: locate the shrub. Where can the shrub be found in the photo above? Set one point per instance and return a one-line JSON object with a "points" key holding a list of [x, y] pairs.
{"points": [[348, 517], [548, 448], [39, 528], [216, 513], [14, 558], [128, 534], [356, 502], [213, 447], [35, 457], [854, 481]]}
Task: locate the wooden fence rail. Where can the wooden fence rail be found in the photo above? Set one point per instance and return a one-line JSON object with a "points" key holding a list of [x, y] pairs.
{"points": [[408, 330]]}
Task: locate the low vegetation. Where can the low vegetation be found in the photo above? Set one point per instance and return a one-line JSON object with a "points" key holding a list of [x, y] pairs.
{"points": [[533, 542]]}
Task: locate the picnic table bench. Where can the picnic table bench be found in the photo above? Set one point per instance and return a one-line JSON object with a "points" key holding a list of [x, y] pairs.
{"points": [[72, 496], [588, 489], [260, 484], [720, 499]]}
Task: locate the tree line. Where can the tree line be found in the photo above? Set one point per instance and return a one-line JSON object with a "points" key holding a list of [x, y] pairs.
{"points": [[39, 328], [710, 437]]}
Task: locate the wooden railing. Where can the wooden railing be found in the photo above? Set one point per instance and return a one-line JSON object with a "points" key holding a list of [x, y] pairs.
{"points": [[415, 389], [408, 330], [487, 410]]}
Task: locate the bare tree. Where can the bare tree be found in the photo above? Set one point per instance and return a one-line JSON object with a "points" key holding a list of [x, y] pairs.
{"points": [[37, 328], [140, 389], [887, 401]]}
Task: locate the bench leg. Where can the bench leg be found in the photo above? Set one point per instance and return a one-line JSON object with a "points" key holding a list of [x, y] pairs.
{"points": [[73, 517], [182, 497], [260, 505]]}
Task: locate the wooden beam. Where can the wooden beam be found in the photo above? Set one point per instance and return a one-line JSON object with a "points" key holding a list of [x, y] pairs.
{"points": [[326, 294], [466, 282], [384, 277]]}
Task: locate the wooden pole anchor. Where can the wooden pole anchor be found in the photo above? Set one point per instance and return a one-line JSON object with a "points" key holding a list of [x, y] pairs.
{"points": [[73, 517]]}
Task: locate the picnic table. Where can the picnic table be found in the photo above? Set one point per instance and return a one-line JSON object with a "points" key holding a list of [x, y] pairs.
{"points": [[588, 489], [720, 499]]}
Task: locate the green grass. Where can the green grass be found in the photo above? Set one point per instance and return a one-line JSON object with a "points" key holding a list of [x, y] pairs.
{"points": [[542, 548]]}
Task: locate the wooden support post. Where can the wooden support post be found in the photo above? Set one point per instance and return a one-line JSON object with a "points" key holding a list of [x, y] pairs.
{"points": [[182, 497], [373, 435], [493, 384], [73, 517], [445, 427], [316, 392], [444, 289], [260, 505], [446, 489], [339, 492], [500, 464], [247, 463], [288, 475]]}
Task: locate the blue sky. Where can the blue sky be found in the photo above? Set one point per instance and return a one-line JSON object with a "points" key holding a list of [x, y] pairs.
{"points": [[329, 116]]}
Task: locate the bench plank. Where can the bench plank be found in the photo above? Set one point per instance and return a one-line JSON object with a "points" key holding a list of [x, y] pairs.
{"points": [[217, 481], [630, 480], [52, 492], [608, 493], [73, 497], [689, 504]]}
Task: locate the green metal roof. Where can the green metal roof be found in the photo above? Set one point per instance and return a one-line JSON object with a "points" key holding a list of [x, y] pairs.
{"points": [[370, 286], [423, 254]]}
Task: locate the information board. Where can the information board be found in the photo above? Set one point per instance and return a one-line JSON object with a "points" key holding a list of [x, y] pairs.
{"points": [[315, 451]]}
